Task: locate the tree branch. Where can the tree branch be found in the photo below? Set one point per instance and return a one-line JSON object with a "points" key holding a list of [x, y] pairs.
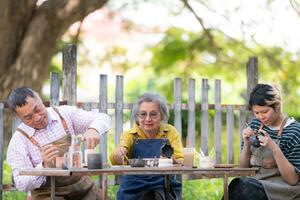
{"points": [[296, 6], [206, 31]]}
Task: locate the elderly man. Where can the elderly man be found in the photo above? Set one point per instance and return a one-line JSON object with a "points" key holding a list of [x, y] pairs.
{"points": [[37, 141]]}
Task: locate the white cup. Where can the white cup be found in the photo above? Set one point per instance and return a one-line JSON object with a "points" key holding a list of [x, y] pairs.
{"points": [[207, 162]]}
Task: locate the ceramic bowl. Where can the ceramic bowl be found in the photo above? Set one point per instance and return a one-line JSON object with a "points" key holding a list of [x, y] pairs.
{"points": [[151, 162], [137, 162]]}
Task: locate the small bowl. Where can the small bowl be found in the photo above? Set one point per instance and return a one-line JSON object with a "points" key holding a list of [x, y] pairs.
{"points": [[137, 162], [151, 162], [165, 162]]}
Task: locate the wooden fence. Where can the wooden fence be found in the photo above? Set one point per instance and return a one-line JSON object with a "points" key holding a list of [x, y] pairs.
{"points": [[193, 108]]}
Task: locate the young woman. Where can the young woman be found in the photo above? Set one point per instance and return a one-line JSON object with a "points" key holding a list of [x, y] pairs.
{"points": [[276, 153]]}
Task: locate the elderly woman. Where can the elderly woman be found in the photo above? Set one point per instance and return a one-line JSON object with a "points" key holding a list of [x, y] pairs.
{"points": [[272, 143], [145, 140]]}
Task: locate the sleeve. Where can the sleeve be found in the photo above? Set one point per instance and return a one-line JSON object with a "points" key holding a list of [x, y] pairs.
{"points": [[176, 143], [292, 148], [294, 157], [18, 158], [126, 141], [83, 120]]}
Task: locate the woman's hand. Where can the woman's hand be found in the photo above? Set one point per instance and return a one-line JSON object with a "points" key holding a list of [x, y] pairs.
{"points": [[266, 140], [177, 162], [120, 155], [247, 133], [245, 154]]}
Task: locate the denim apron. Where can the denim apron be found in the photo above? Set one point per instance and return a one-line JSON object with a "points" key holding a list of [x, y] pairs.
{"points": [[133, 187]]}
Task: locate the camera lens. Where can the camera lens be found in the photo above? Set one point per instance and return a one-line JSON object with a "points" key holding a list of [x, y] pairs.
{"points": [[254, 141]]}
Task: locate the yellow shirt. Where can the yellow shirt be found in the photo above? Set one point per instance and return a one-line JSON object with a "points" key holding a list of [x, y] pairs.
{"points": [[127, 137]]}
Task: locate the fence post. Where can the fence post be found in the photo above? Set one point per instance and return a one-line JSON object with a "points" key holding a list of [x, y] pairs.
{"points": [[1, 146], [119, 108], [242, 124], [103, 140], [54, 89], [204, 116], [252, 74], [177, 105], [119, 114], [69, 74], [191, 115], [230, 134], [218, 122]]}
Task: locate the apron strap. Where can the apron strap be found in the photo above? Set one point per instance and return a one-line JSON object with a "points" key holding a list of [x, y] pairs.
{"points": [[135, 138], [31, 139], [63, 121], [281, 127], [279, 134], [164, 136]]}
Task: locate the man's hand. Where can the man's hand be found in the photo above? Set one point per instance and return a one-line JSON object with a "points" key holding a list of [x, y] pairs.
{"points": [[120, 155], [92, 138], [49, 153]]}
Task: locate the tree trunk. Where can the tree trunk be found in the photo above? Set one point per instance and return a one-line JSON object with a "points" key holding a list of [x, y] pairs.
{"points": [[28, 36]]}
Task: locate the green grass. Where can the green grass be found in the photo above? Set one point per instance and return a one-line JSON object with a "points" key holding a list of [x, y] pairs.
{"points": [[204, 189]]}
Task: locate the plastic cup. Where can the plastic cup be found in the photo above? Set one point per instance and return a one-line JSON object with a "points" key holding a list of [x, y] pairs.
{"points": [[189, 157]]}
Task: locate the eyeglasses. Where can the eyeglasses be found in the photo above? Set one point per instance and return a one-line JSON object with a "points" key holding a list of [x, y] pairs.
{"points": [[152, 115]]}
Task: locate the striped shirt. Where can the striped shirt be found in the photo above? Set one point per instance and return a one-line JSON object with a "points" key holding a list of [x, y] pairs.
{"points": [[22, 154], [289, 141]]}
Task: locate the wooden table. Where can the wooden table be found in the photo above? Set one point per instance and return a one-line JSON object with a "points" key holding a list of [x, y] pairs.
{"points": [[196, 173]]}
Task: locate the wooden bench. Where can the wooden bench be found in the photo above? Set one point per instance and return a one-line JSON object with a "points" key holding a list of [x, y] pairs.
{"points": [[208, 114]]}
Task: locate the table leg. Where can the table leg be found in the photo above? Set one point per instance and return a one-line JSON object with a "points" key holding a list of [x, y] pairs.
{"points": [[225, 186], [52, 182], [167, 187]]}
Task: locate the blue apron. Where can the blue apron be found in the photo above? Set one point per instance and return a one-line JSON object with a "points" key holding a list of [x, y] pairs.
{"points": [[133, 187]]}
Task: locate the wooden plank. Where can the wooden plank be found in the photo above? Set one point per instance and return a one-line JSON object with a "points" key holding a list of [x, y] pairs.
{"points": [[119, 114], [103, 109], [119, 108], [191, 115], [103, 138], [15, 123], [215, 172], [218, 122], [1, 147], [230, 135], [86, 107], [252, 74], [242, 124], [52, 186], [206, 173], [54, 89], [128, 106], [177, 105], [204, 116], [69, 73], [45, 172]]}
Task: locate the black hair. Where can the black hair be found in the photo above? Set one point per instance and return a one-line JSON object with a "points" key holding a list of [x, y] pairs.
{"points": [[264, 95], [17, 98]]}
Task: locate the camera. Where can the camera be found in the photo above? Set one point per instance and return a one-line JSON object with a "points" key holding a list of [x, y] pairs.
{"points": [[254, 138]]}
